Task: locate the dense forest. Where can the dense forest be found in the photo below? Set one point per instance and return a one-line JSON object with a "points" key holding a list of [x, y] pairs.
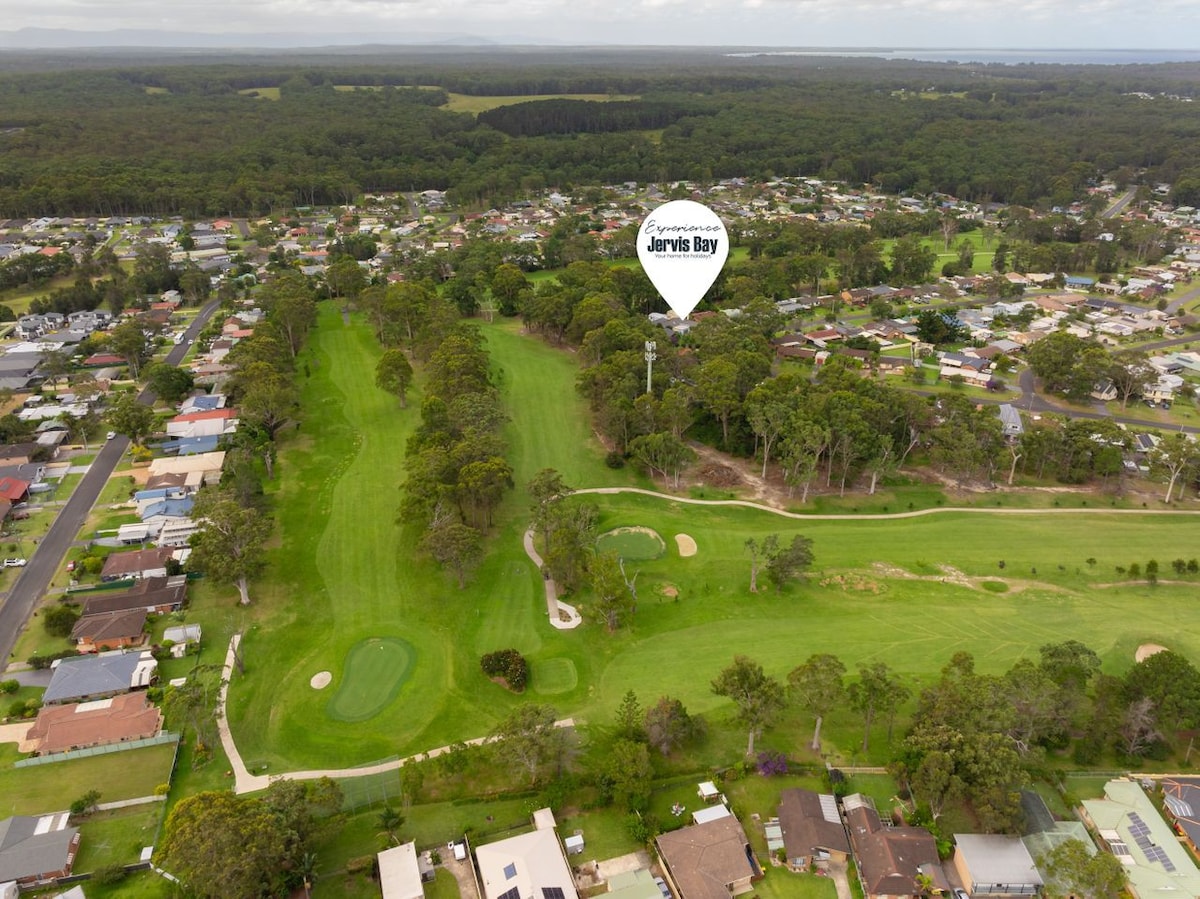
{"points": [[131, 136]]}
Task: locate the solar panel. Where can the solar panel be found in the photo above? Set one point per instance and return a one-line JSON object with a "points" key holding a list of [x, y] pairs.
{"points": [[514, 893], [553, 893], [510, 871]]}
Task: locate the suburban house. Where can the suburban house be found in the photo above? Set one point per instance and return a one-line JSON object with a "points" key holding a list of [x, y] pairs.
{"points": [[1131, 828], [401, 872], [712, 860], [61, 728], [995, 865], [199, 470], [1181, 796], [99, 676], [36, 850], [812, 828], [153, 594], [637, 884], [528, 866], [1010, 421], [210, 423], [889, 859], [1044, 834], [140, 563], [110, 630]]}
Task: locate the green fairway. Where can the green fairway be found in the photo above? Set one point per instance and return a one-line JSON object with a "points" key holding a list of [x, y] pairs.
{"points": [[911, 591], [375, 671], [632, 544]]}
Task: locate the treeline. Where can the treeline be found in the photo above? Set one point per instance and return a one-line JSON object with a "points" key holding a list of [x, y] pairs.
{"points": [[455, 460], [190, 143], [584, 116]]}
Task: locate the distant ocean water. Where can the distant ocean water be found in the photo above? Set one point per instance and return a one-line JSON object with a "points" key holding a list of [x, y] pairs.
{"points": [[1002, 57]]}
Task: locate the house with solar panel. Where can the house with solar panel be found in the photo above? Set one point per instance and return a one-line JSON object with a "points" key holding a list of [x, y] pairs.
{"points": [[1181, 797], [811, 829], [528, 866], [1131, 828]]}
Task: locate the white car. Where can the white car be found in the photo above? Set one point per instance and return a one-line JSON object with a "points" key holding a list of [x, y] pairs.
{"points": [[14, 563], [111, 435]]}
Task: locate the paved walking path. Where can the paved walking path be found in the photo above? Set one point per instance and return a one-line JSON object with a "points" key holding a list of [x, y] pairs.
{"points": [[555, 607], [245, 782]]}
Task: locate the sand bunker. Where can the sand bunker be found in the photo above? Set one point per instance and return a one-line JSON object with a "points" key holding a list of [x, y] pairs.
{"points": [[1146, 650], [687, 546], [321, 680]]}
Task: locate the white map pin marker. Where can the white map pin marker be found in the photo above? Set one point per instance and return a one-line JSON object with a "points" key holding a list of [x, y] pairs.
{"points": [[682, 246]]}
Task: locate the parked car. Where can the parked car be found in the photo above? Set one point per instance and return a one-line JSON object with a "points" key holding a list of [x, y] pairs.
{"points": [[663, 888], [111, 435], [14, 563]]}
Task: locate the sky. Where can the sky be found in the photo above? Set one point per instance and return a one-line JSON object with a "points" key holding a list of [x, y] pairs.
{"points": [[776, 23]]}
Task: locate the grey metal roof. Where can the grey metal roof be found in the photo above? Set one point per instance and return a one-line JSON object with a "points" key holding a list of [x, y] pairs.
{"points": [[99, 675], [30, 846]]}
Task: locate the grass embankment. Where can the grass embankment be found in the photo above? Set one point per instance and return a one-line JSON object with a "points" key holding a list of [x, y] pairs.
{"points": [[346, 572]]}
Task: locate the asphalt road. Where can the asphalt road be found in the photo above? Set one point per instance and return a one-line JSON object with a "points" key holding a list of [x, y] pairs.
{"points": [[35, 577], [1119, 205]]}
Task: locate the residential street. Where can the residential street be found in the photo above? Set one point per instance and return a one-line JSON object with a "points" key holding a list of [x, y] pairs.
{"points": [[35, 577]]}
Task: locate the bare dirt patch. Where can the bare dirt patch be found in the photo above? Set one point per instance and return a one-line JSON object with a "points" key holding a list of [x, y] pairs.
{"points": [[1146, 650], [669, 590], [853, 582], [320, 680], [951, 575], [716, 474], [687, 546]]}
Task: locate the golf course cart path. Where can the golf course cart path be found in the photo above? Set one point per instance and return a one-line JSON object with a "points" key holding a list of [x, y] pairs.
{"points": [[556, 609], [887, 516], [245, 782]]}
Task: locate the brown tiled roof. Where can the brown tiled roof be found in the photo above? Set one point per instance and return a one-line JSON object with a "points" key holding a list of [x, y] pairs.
{"points": [[135, 562], [805, 826], [703, 858], [151, 592], [62, 727], [108, 626], [890, 858], [171, 479]]}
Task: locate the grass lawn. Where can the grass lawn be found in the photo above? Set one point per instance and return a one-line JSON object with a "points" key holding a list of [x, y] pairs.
{"points": [[48, 788], [780, 883], [117, 837], [345, 571], [477, 104]]}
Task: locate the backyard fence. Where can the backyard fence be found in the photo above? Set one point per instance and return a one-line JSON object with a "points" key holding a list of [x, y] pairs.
{"points": [[51, 758]]}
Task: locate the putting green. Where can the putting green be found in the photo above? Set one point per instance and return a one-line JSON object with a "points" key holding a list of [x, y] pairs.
{"points": [[554, 676], [374, 672], [632, 544]]}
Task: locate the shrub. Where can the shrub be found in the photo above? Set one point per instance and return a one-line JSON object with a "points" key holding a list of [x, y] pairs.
{"points": [[507, 664], [9, 686], [86, 804], [40, 663], [614, 459], [109, 874], [772, 762], [59, 620]]}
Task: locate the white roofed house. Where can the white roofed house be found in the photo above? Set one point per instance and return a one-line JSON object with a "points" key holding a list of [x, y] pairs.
{"points": [[995, 865], [1010, 421], [528, 866]]}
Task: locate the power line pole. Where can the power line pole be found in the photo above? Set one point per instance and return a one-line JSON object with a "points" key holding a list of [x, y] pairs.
{"points": [[650, 357]]}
